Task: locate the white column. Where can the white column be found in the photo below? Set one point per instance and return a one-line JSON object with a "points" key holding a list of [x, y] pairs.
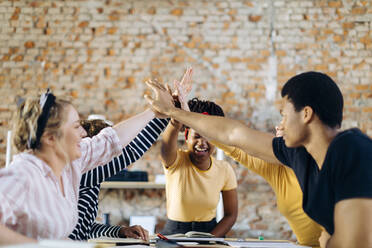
{"points": [[220, 155]]}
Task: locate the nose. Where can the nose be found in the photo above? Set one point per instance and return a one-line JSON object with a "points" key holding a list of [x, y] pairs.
{"points": [[279, 130], [83, 133]]}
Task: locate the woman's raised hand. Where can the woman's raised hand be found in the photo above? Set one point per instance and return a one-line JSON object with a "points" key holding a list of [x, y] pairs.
{"points": [[183, 88]]}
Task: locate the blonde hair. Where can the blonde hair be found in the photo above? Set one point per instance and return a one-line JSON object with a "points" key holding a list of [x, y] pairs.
{"points": [[26, 122]]}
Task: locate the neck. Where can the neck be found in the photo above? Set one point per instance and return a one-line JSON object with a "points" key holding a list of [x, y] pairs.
{"points": [[202, 164], [51, 158], [319, 141]]}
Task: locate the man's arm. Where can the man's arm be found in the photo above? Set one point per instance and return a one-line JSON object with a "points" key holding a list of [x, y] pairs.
{"points": [[230, 132], [224, 130], [353, 218], [230, 204]]}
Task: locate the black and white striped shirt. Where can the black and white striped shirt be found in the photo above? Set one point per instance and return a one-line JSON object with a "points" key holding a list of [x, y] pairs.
{"points": [[90, 183]]}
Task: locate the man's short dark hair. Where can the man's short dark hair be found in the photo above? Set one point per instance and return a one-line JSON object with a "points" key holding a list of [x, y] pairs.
{"points": [[318, 91]]}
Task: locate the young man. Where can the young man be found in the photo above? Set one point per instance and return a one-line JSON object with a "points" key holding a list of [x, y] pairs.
{"points": [[333, 168]]}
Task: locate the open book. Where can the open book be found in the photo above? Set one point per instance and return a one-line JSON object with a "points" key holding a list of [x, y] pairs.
{"points": [[117, 241], [191, 234]]}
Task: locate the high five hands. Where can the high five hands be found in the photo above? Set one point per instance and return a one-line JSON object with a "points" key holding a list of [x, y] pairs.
{"points": [[162, 102]]}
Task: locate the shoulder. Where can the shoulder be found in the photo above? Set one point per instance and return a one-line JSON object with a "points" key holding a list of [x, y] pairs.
{"points": [[223, 166], [182, 158], [352, 139]]}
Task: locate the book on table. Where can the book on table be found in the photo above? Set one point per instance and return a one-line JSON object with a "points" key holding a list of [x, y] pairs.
{"points": [[191, 234], [117, 241]]}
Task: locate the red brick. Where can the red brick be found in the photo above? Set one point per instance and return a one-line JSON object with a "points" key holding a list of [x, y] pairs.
{"points": [[29, 44], [6, 57], [254, 18], [100, 30], [83, 24], [348, 25], [232, 12], [337, 38], [249, 3], [177, 59], [112, 30], [18, 58], [151, 11], [367, 109], [74, 94], [254, 67], [358, 11], [335, 4], [114, 16], [177, 12]]}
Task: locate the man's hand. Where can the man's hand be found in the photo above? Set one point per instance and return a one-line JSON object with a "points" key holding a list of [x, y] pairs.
{"points": [[323, 239], [163, 101], [137, 232]]}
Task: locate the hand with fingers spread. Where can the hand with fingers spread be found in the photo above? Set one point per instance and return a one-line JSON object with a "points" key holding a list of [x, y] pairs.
{"points": [[163, 100], [183, 88], [137, 232]]}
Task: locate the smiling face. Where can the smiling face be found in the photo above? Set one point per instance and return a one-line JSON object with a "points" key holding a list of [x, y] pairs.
{"points": [[72, 133], [200, 149], [292, 127]]}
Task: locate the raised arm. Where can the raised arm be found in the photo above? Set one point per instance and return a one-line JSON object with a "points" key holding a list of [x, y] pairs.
{"points": [[224, 130], [129, 128], [130, 154], [169, 144]]}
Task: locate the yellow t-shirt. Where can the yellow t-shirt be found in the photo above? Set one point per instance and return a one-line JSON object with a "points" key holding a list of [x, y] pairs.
{"points": [[289, 195], [193, 194]]}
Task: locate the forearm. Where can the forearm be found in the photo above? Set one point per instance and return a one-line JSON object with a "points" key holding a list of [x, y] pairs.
{"points": [[229, 132], [130, 153], [169, 144], [128, 129], [99, 230], [8, 236], [224, 225]]}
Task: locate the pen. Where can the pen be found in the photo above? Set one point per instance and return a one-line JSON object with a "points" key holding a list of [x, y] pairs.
{"points": [[162, 237]]}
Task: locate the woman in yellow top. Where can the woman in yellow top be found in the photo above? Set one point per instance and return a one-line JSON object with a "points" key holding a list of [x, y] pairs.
{"points": [[194, 180], [287, 190]]}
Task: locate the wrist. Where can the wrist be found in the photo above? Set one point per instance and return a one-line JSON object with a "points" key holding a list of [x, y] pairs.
{"points": [[122, 232]]}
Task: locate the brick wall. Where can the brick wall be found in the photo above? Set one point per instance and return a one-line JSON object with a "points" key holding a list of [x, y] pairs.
{"points": [[100, 52]]}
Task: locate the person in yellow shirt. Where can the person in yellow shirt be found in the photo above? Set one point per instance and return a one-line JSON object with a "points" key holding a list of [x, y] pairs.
{"points": [[194, 180], [287, 190]]}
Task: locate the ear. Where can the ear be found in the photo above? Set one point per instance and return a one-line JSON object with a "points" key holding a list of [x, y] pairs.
{"points": [[307, 114], [48, 139]]}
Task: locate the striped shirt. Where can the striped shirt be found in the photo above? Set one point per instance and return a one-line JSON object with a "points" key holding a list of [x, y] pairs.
{"points": [[31, 200], [91, 182]]}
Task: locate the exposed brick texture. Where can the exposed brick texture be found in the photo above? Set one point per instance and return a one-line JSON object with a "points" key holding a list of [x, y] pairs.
{"points": [[99, 53]]}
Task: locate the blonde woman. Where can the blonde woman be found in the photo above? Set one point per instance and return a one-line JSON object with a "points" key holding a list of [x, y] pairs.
{"points": [[39, 190]]}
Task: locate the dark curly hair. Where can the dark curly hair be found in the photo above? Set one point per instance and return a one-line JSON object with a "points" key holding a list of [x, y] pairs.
{"points": [[93, 127], [203, 107], [200, 106]]}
